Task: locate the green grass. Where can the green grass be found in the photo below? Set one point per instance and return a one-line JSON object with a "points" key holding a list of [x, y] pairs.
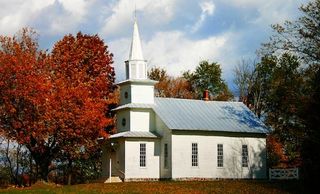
{"points": [[219, 186]]}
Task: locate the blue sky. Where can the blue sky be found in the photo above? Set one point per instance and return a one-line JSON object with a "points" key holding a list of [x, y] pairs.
{"points": [[176, 34]]}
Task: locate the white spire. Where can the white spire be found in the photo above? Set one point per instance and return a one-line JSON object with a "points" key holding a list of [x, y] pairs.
{"points": [[135, 49]]}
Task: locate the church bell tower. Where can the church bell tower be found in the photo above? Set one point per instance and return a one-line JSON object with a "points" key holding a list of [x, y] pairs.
{"points": [[136, 92], [136, 66]]}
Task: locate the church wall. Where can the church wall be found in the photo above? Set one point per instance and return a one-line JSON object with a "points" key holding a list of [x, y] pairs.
{"points": [[123, 98], [117, 159], [142, 94], [133, 171], [123, 114], [164, 132], [141, 120], [207, 157]]}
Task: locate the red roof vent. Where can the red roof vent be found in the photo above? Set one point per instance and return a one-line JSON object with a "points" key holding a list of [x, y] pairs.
{"points": [[205, 95]]}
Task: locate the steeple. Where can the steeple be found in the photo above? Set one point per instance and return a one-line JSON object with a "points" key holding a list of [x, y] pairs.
{"points": [[136, 66], [135, 49], [137, 88]]}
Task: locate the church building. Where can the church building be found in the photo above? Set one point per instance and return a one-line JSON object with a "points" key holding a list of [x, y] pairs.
{"points": [[179, 139]]}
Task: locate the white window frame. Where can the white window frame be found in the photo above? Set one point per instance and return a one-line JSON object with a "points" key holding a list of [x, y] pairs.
{"points": [[245, 156], [143, 155], [220, 158], [194, 155]]}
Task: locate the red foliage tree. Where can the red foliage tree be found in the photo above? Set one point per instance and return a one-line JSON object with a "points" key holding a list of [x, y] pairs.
{"points": [[55, 104], [170, 87]]}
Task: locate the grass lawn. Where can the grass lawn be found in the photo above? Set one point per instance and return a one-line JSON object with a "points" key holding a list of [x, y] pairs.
{"points": [[219, 186]]}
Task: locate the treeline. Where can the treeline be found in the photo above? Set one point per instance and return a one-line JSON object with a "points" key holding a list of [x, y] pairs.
{"points": [[190, 85], [283, 89]]}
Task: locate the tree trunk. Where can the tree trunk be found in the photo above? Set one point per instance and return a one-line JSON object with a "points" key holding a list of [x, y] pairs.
{"points": [[44, 170], [31, 170], [70, 172]]}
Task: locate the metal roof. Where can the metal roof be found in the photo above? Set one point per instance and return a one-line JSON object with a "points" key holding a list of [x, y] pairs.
{"points": [[183, 114], [143, 134], [134, 105], [138, 82]]}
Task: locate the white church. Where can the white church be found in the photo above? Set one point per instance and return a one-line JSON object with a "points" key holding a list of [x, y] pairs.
{"points": [[179, 139]]}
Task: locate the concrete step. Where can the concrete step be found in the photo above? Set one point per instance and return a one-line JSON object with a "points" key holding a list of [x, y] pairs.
{"points": [[113, 179]]}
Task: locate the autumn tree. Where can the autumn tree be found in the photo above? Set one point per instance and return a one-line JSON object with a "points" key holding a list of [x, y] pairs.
{"points": [[55, 104], [84, 78], [169, 86], [207, 76], [24, 89]]}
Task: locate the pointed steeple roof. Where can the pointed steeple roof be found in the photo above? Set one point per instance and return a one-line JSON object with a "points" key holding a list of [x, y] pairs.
{"points": [[135, 49]]}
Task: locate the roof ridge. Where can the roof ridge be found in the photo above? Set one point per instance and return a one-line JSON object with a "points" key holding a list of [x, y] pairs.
{"points": [[199, 100]]}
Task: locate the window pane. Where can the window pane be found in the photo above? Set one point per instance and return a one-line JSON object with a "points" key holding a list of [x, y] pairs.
{"points": [[194, 155], [220, 155], [166, 155], [244, 156], [142, 155], [127, 70]]}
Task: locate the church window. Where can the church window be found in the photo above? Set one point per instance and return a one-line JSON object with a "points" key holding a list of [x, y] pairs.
{"points": [[123, 122], [166, 155], [194, 154], [142, 155], [244, 155], [126, 95], [127, 70], [220, 155]]}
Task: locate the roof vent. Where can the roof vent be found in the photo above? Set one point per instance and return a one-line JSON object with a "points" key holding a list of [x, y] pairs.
{"points": [[205, 95]]}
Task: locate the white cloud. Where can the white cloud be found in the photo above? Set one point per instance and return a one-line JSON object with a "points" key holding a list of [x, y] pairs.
{"points": [[67, 16], [268, 12], [174, 51], [153, 13], [75, 7], [178, 53], [55, 16], [207, 9], [276, 12], [16, 14]]}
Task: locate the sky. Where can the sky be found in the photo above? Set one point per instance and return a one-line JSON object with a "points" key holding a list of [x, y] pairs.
{"points": [[175, 34]]}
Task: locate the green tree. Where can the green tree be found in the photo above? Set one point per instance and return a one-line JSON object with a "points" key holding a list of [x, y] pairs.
{"points": [[207, 76], [276, 97], [283, 104], [300, 106]]}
